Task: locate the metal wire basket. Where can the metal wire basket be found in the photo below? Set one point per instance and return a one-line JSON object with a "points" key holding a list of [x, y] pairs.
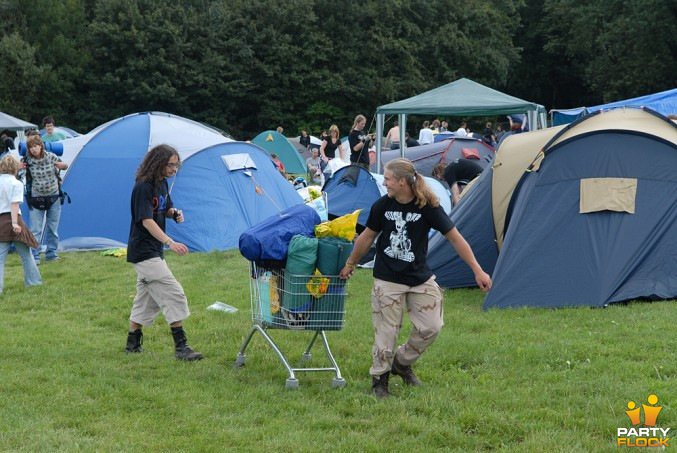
{"points": [[282, 300]]}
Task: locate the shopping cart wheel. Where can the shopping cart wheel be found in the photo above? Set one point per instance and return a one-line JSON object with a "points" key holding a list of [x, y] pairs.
{"points": [[338, 383], [292, 383], [306, 357], [240, 361]]}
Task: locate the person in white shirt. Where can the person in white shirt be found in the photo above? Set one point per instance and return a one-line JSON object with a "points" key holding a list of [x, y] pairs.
{"points": [[461, 131], [13, 230], [425, 136]]}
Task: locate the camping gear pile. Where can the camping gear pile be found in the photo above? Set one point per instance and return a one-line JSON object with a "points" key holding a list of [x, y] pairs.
{"points": [[297, 260], [294, 284]]}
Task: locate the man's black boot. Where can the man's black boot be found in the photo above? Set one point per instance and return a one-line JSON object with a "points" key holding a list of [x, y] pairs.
{"points": [[183, 351], [379, 385], [405, 372], [134, 342]]}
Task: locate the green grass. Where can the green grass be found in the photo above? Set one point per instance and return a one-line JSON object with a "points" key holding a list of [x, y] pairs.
{"points": [[514, 380]]}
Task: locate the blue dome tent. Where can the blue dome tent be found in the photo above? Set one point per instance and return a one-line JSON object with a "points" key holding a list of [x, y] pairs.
{"points": [[101, 178], [353, 187], [223, 190]]}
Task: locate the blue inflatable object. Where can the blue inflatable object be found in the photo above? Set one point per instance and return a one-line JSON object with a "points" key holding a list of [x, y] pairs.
{"points": [[269, 240], [52, 147]]}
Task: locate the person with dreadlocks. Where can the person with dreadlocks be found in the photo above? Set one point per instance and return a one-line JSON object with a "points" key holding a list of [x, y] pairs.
{"points": [[402, 279], [156, 289]]}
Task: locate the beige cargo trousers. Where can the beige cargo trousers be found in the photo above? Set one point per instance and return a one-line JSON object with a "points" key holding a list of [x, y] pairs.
{"points": [[388, 303]]}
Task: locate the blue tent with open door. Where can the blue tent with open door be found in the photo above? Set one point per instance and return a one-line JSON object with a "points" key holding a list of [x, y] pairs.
{"points": [[353, 187]]}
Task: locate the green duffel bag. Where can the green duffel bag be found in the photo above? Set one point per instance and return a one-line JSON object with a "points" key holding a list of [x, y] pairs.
{"points": [[301, 257], [332, 254]]}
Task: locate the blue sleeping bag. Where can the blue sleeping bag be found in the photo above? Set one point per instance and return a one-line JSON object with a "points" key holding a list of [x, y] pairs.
{"points": [[270, 239]]}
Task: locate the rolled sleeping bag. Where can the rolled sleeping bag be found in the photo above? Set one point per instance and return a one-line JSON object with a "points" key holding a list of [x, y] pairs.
{"points": [[301, 258], [52, 147], [332, 254]]}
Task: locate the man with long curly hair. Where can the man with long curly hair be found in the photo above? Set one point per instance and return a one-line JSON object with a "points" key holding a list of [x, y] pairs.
{"points": [[156, 289]]}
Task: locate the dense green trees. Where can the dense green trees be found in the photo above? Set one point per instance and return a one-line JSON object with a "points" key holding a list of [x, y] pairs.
{"points": [[247, 66]]}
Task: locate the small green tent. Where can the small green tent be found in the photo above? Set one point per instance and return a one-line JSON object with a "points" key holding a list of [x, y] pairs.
{"points": [[274, 142]]}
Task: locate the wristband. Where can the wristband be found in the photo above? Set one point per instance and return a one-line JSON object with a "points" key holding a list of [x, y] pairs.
{"points": [[168, 241], [350, 264]]}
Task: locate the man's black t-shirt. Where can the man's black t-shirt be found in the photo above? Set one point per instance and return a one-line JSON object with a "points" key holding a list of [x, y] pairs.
{"points": [[402, 247], [148, 202], [361, 156], [461, 169]]}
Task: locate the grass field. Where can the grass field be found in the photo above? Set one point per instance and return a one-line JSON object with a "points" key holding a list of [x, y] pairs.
{"points": [[512, 380]]}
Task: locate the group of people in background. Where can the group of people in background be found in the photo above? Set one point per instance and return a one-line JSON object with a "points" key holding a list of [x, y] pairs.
{"points": [[41, 170], [517, 123], [319, 164]]}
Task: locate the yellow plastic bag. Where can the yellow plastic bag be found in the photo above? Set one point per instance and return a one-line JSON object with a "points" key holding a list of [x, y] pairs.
{"points": [[322, 230], [341, 227], [318, 285]]}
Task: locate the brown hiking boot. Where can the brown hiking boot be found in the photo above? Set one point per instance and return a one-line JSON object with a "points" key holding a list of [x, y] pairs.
{"points": [[405, 372], [379, 385]]}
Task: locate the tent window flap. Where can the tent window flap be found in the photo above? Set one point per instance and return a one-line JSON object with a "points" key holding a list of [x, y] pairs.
{"points": [[608, 194], [240, 161]]}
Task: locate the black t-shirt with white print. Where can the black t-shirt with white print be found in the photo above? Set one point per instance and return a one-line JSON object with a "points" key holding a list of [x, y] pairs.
{"points": [[402, 247]]}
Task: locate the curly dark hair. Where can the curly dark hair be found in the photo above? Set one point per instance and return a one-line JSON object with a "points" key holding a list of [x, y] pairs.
{"points": [[152, 169]]}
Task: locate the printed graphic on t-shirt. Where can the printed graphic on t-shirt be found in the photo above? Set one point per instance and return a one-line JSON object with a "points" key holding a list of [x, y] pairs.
{"points": [[159, 204], [400, 244]]}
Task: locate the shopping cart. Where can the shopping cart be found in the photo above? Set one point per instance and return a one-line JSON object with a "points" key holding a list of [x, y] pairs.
{"points": [[281, 300]]}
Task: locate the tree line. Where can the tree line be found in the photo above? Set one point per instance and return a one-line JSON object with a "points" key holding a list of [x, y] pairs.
{"points": [[246, 66]]}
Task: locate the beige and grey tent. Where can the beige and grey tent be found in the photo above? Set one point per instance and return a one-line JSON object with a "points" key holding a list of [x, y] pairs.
{"points": [[586, 206]]}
